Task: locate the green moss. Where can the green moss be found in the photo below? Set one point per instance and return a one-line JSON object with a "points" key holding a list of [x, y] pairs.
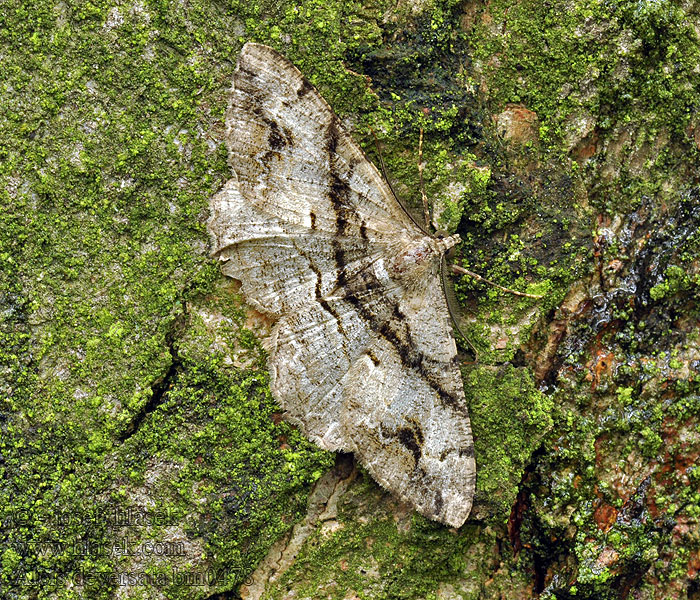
{"points": [[247, 476], [370, 553], [551, 46], [610, 66], [509, 419], [676, 280], [109, 156]]}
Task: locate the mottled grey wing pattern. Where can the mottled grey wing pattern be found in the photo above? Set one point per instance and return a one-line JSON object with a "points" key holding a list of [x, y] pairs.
{"points": [[289, 149], [283, 266], [405, 411], [361, 359]]}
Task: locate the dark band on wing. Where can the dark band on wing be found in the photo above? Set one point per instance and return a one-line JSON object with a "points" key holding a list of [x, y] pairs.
{"points": [[339, 196], [412, 439], [305, 88], [363, 230], [394, 328], [461, 452], [319, 296], [242, 69], [408, 438], [372, 357], [278, 138]]}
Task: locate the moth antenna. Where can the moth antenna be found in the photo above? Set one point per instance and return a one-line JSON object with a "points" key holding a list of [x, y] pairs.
{"points": [[453, 305], [421, 166], [382, 165], [391, 188], [463, 271]]}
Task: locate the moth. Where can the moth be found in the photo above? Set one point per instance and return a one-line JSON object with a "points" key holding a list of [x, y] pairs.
{"points": [[362, 355]]}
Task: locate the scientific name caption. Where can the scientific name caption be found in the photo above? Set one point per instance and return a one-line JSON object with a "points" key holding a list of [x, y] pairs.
{"points": [[83, 577], [127, 526]]}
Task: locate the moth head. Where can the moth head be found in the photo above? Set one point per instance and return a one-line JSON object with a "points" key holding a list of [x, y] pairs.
{"points": [[420, 256], [445, 243]]}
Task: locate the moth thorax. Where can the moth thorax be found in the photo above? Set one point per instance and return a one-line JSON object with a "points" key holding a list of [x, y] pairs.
{"points": [[420, 255]]}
